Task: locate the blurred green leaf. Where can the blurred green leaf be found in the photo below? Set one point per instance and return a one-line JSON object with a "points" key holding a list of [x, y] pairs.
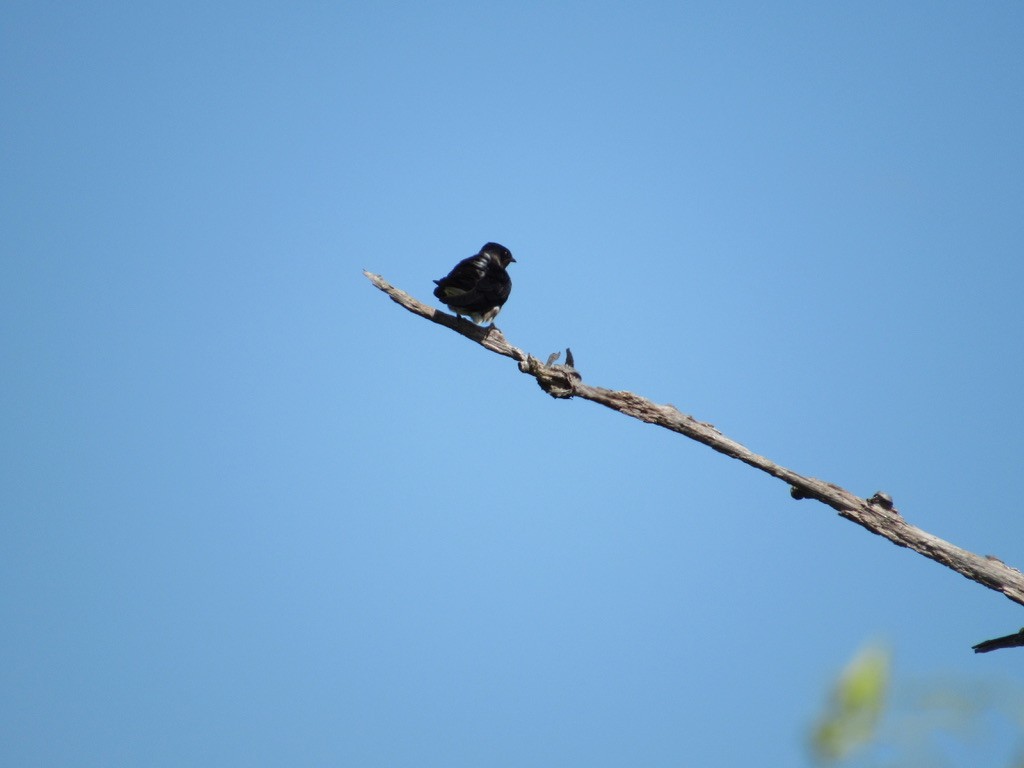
{"points": [[855, 706]]}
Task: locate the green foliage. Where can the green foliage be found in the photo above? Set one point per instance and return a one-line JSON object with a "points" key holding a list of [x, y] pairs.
{"points": [[855, 706], [933, 723]]}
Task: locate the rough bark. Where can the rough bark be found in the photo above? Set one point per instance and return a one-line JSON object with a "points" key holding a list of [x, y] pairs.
{"points": [[877, 514]]}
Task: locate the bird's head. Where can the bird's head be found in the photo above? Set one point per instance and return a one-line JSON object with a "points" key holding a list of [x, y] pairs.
{"points": [[500, 252]]}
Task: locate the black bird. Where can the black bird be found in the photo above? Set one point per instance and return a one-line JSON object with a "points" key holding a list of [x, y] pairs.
{"points": [[479, 285]]}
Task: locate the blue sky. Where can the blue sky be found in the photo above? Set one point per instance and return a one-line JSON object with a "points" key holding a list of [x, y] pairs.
{"points": [[256, 514]]}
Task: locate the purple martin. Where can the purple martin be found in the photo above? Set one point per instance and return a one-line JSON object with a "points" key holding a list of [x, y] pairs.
{"points": [[478, 286]]}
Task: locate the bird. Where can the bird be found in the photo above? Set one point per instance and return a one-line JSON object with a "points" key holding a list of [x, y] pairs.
{"points": [[479, 286]]}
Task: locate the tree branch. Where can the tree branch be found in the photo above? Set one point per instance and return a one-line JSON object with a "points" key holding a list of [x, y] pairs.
{"points": [[876, 514]]}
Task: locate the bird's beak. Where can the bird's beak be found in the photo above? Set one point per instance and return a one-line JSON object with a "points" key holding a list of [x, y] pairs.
{"points": [[511, 259]]}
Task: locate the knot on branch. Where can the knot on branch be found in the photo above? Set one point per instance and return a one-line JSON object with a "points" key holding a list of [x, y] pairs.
{"points": [[559, 381], [799, 493], [883, 500]]}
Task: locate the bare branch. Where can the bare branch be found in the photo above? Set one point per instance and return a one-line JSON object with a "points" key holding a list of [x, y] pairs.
{"points": [[876, 514], [489, 337], [1016, 640]]}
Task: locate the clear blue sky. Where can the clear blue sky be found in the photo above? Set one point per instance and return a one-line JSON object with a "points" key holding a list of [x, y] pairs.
{"points": [[254, 514]]}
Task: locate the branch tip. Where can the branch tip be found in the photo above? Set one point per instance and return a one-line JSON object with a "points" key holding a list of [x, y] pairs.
{"points": [[1016, 640]]}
